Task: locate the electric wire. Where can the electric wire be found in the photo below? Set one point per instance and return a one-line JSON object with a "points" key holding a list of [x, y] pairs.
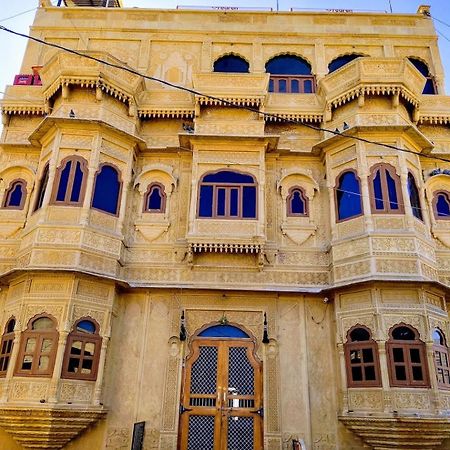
{"points": [[438, 20], [218, 99], [18, 14]]}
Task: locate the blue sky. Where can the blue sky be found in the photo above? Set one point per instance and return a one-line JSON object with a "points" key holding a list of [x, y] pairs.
{"points": [[12, 48]]}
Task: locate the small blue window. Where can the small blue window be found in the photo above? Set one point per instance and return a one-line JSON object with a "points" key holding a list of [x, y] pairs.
{"points": [[107, 190], [348, 196], [342, 61], [15, 195], [63, 181], [296, 202], [42, 188], [442, 208], [155, 199], [231, 63], [223, 331], [86, 326], [430, 87], [385, 190], [69, 180], [288, 65], [414, 197]]}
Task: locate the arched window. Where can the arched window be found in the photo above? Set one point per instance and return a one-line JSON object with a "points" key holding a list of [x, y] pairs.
{"points": [[441, 359], [15, 194], [341, 61], [361, 357], [297, 202], [107, 189], [414, 198], [70, 181], [385, 190], [406, 357], [38, 348], [41, 188], [82, 351], [231, 63], [441, 205], [290, 74], [348, 196], [6, 346], [227, 195], [155, 199], [430, 86]]}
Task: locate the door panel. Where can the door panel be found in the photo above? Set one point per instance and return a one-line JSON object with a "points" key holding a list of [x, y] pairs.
{"points": [[222, 397]]}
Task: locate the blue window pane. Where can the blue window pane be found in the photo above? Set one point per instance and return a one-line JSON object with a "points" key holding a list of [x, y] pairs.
{"points": [[227, 176], [64, 179], [297, 203], [443, 206], [341, 61], [106, 191], [414, 197], [86, 326], [392, 191], [221, 202], [155, 199], [420, 66], [249, 202], [429, 87], [15, 197], [379, 201], [206, 200], [281, 85], [42, 188], [288, 65], [234, 205], [77, 182], [307, 87], [271, 85], [295, 86], [231, 63], [348, 196], [224, 331]]}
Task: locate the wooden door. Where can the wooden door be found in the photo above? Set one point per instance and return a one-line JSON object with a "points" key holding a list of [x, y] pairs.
{"points": [[221, 405]]}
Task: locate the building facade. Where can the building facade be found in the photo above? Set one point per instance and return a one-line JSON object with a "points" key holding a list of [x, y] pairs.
{"points": [[254, 255]]}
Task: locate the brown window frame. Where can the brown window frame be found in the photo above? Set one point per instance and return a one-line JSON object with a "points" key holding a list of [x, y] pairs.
{"points": [[6, 346], [275, 79], [40, 336], [383, 167], [337, 184], [440, 355], [406, 346], [370, 344], [434, 203], [10, 190], [69, 188], [119, 195], [84, 338], [417, 211], [163, 198], [289, 198]]}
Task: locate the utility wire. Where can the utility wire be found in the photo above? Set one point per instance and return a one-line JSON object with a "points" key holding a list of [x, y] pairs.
{"points": [[221, 100], [438, 20], [18, 14]]}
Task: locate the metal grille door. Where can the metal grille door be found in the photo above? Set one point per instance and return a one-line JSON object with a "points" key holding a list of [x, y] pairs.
{"points": [[221, 405]]}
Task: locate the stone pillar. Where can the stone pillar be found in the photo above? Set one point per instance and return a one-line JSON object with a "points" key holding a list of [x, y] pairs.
{"points": [[101, 369], [11, 365], [53, 390]]}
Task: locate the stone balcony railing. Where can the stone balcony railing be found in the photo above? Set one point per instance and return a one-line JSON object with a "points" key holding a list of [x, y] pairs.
{"points": [[373, 76], [247, 89], [65, 69], [434, 109], [23, 100]]}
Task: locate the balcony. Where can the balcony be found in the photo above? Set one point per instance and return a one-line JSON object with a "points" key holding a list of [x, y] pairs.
{"points": [[373, 76]]}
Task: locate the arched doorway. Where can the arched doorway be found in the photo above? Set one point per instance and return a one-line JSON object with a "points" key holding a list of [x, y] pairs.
{"points": [[221, 402]]}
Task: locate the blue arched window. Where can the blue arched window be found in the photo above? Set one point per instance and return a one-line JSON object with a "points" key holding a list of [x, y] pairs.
{"points": [[290, 74], [223, 331], [342, 61], [42, 188], [430, 87], [348, 196], [385, 190], [155, 198], [414, 198], [231, 63], [441, 205], [70, 181], [107, 189], [297, 203], [15, 194], [227, 195]]}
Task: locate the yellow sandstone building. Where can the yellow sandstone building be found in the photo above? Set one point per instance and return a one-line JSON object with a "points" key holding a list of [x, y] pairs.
{"points": [[259, 259]]}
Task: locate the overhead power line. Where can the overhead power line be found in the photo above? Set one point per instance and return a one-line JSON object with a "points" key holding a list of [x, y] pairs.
{"points": [[128, 69], [18, 14]]}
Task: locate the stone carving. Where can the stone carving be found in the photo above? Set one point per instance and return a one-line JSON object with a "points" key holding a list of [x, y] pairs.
{"points": [[411, 400], [118, 438], [29, 390], [367, 399], [76, 391]]}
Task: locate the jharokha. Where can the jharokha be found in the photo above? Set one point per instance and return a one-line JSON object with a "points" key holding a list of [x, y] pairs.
{"points": [[252, 255]]}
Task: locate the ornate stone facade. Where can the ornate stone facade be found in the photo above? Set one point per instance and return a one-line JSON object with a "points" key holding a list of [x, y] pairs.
{"points": [[150, 278]]}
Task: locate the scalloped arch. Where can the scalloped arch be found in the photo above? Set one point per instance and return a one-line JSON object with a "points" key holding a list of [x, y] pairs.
{"points": [[298, 55], [238, 55], [156, 172]]}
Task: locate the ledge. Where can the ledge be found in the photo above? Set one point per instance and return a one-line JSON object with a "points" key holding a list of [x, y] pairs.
{"points": [[23, 100], [434, 109]]}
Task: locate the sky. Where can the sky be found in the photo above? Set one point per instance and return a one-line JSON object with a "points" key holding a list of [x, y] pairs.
{"points": [[12, 48]]}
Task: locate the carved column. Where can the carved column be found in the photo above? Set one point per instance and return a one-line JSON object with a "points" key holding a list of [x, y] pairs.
{"points": [[11, 365], [101, 369], [53, 390]]}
